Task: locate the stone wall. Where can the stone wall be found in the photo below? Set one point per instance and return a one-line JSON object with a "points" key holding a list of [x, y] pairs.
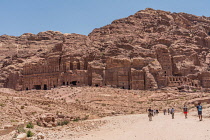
{"points": [[117, 73], [137, 79], [96, 76]]}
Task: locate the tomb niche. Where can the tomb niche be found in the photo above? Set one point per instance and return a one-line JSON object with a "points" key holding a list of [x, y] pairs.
{"points": [[73, 83], [37, 87], [45, 87], [71, 66]]}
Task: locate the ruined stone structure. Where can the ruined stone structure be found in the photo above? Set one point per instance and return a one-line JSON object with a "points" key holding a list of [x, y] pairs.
{"points": [[122, 73], [53, 72], [175, 81]]}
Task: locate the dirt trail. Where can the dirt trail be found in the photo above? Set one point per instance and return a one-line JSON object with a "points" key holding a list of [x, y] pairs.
{"points": [[137, 127]]}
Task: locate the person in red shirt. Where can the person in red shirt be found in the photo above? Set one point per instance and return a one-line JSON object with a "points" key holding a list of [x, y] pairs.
{"points": [[185, 111]]}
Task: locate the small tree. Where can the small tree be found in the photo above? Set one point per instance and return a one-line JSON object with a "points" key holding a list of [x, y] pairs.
{"points": [[29, 133], [30, 125]]}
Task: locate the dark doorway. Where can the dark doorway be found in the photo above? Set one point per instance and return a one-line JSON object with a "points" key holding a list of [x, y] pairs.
{"points": [[54, 86], [71, 66], [74, 82], [96, 85], [67, 83], [208, 33], [26, 88], [45, 87], [37, 87], [177, 74], [78, 66], [63, 83]]}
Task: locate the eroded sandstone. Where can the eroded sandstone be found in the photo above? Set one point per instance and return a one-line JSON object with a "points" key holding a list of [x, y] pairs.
{"points": [[151, 49]]}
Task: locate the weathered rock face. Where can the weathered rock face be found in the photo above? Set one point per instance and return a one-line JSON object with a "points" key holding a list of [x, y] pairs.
{"points": [[148, 50]]}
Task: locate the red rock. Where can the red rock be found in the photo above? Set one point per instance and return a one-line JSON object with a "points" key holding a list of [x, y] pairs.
{"points": [[172, 47]]}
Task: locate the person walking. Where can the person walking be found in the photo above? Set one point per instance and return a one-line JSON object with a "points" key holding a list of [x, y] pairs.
{"points": [[199, 108], [169, 111], [164, 111], [185, 111], [172, 112], [150, 114], [154, 112], [157, 111]]}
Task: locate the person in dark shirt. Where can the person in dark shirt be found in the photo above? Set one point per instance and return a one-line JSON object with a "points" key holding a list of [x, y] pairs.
{"points": [[172, 112], [185, 111], [150, 114], [157, 111], [199, 108]]}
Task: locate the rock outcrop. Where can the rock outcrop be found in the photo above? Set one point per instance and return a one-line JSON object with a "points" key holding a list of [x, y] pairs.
{"points": [[148, 50]]}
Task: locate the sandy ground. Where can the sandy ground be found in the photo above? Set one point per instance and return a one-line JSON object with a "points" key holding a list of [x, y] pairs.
{"points": [[137, 127]]}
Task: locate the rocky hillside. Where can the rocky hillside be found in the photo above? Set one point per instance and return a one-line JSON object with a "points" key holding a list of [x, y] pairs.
{"points": [[186, 37]]}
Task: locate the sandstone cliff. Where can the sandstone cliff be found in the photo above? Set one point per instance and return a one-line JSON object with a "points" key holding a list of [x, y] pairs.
{"points": [[149, 50]]}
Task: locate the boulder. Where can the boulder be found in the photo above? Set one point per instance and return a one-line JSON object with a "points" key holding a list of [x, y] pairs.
{"points": [[22, 136], [40, 136]]}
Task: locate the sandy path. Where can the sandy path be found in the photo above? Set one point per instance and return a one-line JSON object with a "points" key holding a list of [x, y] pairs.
{"points": [[137, 127]]}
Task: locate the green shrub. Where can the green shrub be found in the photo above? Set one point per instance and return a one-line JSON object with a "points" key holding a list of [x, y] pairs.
{"points": [[13, 121], [29, 133], [30, 125], [2, 105], [76, 119], [139, 102], [59, 123]]}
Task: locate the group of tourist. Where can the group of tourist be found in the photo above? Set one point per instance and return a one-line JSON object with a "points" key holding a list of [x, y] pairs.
{"points": [[152, 112]]}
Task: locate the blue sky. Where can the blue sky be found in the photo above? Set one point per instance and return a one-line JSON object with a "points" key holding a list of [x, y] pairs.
{"points": [[81, 16]]}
